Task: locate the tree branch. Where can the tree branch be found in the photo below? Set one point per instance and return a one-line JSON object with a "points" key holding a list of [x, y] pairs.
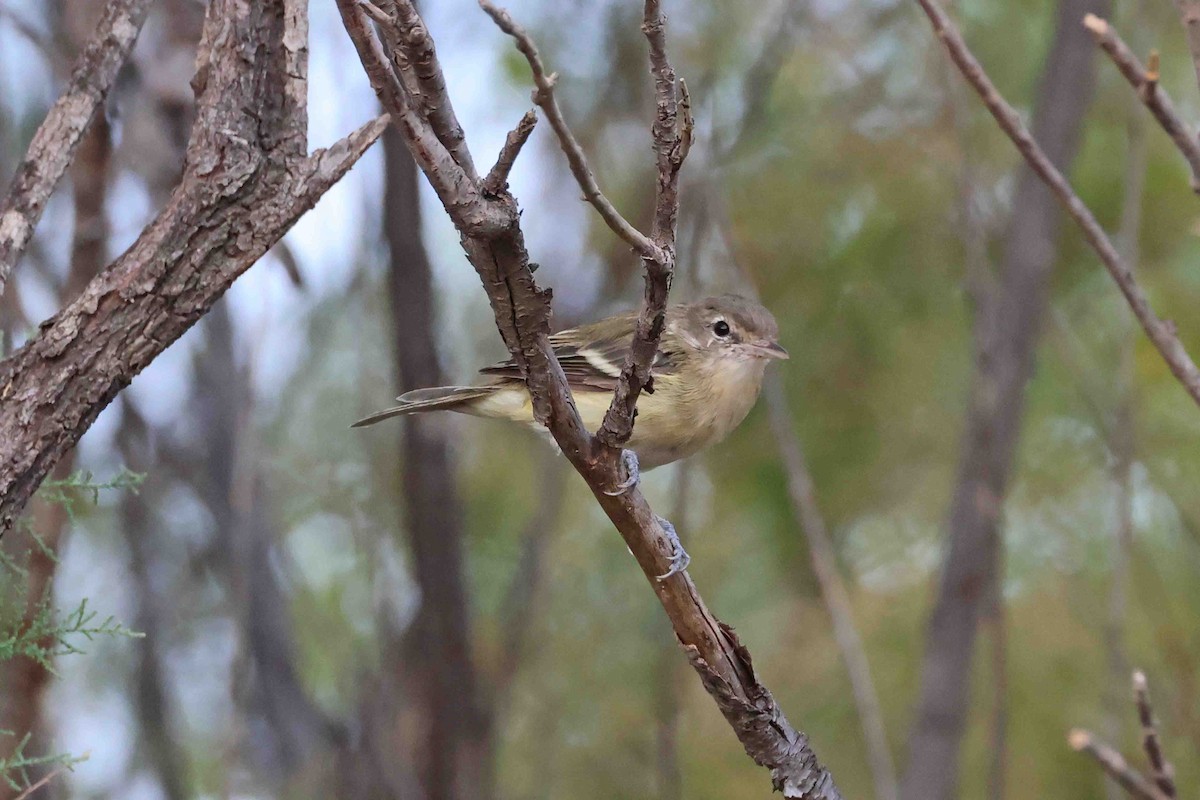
{"points": [[1163, 774], [244, 185], [1161, 333], [1114, 765], [53, 146], [421, 55], [1145, 83], [671, 144], [522, 313], [497, 178], [543, 97]]}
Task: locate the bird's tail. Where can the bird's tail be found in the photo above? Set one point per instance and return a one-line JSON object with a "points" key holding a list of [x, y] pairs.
{"points": [[438, 398]]}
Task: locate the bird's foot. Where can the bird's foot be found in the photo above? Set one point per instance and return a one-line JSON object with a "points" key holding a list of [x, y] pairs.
{"points": [[679, 557], [633, 474]]}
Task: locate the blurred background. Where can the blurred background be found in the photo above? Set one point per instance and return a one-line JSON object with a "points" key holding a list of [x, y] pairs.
{"points": [[438, 608]]}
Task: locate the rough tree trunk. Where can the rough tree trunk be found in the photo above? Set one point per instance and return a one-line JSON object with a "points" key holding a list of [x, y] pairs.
{"points": [[246, 181], [1006, 330]]}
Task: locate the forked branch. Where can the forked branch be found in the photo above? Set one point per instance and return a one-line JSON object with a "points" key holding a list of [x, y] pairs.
{"points": [[1161, 784], [543, 98], [522, 312], [1161, 332], [1144, 80]]}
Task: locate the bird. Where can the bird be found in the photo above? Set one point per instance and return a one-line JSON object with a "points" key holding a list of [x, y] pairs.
{"points": [[706, 377]]}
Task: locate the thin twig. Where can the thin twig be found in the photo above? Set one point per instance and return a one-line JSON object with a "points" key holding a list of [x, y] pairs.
{"points": [[33, 787], [1160, 332], [1145, 82], [543, 97], [671, 143], [1115, 766], [497, 178], [53, 146], [1163, 775]]}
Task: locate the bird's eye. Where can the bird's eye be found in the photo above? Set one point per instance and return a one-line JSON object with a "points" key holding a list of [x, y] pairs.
{"points": [[721, 328]]}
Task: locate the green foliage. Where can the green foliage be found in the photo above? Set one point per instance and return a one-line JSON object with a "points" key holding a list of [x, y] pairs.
{"points": [[32, 628], [15, 768]]}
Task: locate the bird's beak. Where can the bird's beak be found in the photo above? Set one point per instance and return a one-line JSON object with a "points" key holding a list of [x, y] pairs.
{"points": [[767, 349]]}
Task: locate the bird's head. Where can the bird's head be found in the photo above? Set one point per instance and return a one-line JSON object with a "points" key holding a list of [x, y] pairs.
{"points": [[730, 326]]}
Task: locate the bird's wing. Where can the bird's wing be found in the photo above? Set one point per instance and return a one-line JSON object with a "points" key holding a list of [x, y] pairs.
{"points": [[589, 362]]}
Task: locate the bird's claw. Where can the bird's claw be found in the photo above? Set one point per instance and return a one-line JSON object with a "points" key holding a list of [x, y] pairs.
{"points": [[633, 474], [679, 557]]}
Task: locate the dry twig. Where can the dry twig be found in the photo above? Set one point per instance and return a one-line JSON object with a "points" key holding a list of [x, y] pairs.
{"points": [[1115, 766], [1145, 82], [543, 97], [45, 779], [1161, 785], [53, 146], [1163, 775], [522, 312], [1161, 333], [497, 179]]}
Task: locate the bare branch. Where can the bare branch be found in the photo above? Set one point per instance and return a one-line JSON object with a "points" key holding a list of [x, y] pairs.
{"points": [[376, 13], [458, 191], [497, 179], [1115, 766], [45, 779], [1163, 775], [1145, 82], [544, 98], [1161, 333], [243, 187], [53, 146], [671, 144], [421, 55], [522, 314]]}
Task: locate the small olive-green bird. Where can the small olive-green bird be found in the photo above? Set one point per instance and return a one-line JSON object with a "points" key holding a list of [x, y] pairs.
{"points": [[707, 376]]}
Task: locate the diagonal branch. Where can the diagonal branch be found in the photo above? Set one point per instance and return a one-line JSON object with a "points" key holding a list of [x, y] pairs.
{"points": [[672, 141], [421, 56], [1115, 766], [1145, 83], [1161, 333], [458, 191], [243, 187], [53, 146], [522, 313]]}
